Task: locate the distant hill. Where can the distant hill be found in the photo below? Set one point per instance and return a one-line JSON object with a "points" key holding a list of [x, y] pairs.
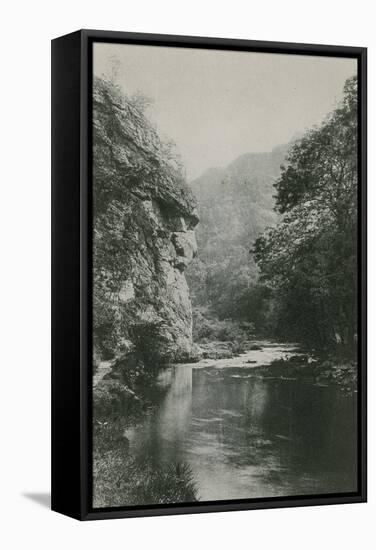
{"points": [[235, 205]]}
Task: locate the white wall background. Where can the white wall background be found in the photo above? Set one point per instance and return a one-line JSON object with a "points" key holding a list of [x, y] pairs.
{"points": [[27, 28]]}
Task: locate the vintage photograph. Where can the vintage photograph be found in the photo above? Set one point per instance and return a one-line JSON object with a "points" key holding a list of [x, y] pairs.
{"points": [[225, 299]]}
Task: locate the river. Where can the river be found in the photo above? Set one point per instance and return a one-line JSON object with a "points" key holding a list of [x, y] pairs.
{"points": [[248, 436]]}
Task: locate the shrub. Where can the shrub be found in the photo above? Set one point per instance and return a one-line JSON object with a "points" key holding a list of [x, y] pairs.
{"points": [[120, 479], [206, 327]]}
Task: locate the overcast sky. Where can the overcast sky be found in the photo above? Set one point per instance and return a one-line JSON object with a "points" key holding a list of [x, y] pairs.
{"points": [[217, 105]]}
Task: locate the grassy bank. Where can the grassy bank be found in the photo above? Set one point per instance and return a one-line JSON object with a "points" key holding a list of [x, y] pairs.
{"points": [[121, 480]]}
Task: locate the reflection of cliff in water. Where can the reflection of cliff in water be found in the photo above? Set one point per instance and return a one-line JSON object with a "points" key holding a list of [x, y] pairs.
{"points": [[162, 435], [174, 415]]}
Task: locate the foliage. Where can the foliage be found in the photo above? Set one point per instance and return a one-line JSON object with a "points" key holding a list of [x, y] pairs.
{"points": [[309, 260], [207, 327], [120, 478]]}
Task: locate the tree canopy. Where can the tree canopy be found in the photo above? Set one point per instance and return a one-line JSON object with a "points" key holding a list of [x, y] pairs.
{"points": [[309, 259]]}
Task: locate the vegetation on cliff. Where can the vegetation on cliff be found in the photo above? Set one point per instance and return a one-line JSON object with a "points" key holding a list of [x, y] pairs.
{"points": [[144, 215]]}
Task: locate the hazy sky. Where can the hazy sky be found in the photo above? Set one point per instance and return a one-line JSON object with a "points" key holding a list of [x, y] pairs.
{"points": [[217, 105]]}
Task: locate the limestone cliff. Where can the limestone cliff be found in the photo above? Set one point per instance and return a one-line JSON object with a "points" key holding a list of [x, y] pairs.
{"points": [[143, 235]]}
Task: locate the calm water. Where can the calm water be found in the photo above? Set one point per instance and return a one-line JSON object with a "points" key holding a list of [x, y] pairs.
{"points": [[248, 436]]}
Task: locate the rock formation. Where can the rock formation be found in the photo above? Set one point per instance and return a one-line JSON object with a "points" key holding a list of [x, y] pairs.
{"points": [[144, 219]]}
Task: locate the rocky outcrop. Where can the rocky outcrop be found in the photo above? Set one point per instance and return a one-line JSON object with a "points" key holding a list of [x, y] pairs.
{"points": [[144, 219]]}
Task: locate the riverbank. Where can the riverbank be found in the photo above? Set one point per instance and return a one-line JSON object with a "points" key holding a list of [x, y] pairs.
{"points": [[121, 479], [281, 360], [123, 406], [324, 373]]}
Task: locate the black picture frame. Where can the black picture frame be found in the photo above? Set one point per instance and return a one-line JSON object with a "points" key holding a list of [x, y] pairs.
{"points": [[71, 269]]}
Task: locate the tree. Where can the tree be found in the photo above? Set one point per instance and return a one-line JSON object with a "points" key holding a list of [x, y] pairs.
{"points": [[309, 259]]}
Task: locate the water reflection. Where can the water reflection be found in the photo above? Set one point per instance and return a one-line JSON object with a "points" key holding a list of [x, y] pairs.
{"points": [[247, 437]]}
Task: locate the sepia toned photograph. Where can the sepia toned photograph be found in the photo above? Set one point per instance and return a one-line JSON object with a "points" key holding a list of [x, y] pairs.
{"points": [[225, 275]]}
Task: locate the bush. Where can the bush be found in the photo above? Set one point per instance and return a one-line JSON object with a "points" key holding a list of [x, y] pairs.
{"points": [[121, 480], [206, 328]]}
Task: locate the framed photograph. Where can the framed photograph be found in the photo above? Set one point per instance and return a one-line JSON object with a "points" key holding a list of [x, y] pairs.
{"points": [[209, 274]]}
